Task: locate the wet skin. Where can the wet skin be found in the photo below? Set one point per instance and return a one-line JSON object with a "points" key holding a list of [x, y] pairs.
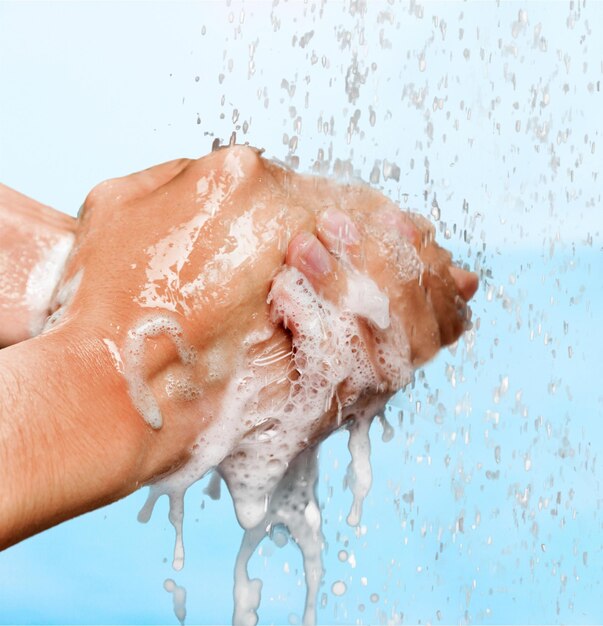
{"points": [[201, 241]]}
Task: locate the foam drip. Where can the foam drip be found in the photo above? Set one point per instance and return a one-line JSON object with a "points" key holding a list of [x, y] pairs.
{"points": [[293, 506], [213, 490], [211, 448], [359, 475], [179, 598], [176, 517], [388, 430]]}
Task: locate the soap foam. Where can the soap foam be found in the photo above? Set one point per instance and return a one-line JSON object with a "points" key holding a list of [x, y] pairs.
{"points": [[364, 298], [359, 474], [62, 299], [294, 506], [133, 356], [266, 459], [325, 355], [42, 281], [179, 598]]}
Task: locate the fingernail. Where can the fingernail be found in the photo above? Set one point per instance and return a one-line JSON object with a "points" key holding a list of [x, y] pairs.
{"points": [[340, 226], [314, 255]]}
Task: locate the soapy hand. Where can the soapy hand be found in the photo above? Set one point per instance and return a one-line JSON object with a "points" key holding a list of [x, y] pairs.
{"points": [[382, 268], [180, 300], [170, 273], [364, 297], [227, 303]]}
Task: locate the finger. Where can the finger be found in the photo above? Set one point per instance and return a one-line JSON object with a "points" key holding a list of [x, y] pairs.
{"points": [[338, 233], [311, 258], [136, 185], [413, 307], [407, 225], [146, 181], [466, 282], [448, 306], [450, 312], [15, 206]]}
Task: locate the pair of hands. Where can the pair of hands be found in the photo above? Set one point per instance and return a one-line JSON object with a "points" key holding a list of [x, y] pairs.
{"points": [[200, 243]]}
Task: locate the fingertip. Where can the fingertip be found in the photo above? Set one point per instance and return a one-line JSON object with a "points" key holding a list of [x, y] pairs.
{"points": [[309, 256], [466, 282], [337, 230]]}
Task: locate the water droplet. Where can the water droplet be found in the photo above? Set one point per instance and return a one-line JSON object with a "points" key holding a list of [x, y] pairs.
{"points": [[338, 588]]}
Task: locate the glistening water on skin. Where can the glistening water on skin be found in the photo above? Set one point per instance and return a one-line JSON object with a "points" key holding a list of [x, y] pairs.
{"points": [[486, 502]]}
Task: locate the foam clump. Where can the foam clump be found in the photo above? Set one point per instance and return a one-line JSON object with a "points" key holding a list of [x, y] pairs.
{"points": [[328, 350], [133, 356]]}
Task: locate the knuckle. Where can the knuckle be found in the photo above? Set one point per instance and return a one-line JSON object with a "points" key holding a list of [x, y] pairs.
{"points": [[99, 193], [242, 158]]}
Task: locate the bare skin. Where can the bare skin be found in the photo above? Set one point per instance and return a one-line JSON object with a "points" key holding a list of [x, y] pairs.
{"points": [[199, 242]]}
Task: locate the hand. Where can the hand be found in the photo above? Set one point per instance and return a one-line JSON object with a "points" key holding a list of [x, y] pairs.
{"points": [[367, 300], [170, 271], [164, 301]]}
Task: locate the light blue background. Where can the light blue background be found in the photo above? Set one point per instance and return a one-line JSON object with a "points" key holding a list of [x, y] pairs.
{"points": [[493, 113]]}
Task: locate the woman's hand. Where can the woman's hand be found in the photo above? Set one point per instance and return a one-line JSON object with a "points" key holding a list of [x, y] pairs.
{"points": [[172, 268]]}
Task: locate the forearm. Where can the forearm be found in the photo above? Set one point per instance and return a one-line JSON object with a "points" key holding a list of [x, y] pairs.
{"points": [[34, 242], [65, 445]]}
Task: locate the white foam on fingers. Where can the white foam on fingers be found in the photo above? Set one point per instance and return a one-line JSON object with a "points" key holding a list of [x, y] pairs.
{"points": [[364, 298], [133, 358]]}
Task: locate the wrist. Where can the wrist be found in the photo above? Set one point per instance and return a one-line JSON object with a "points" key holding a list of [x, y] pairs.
{"points": [[104, 424], [67, 444]]}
